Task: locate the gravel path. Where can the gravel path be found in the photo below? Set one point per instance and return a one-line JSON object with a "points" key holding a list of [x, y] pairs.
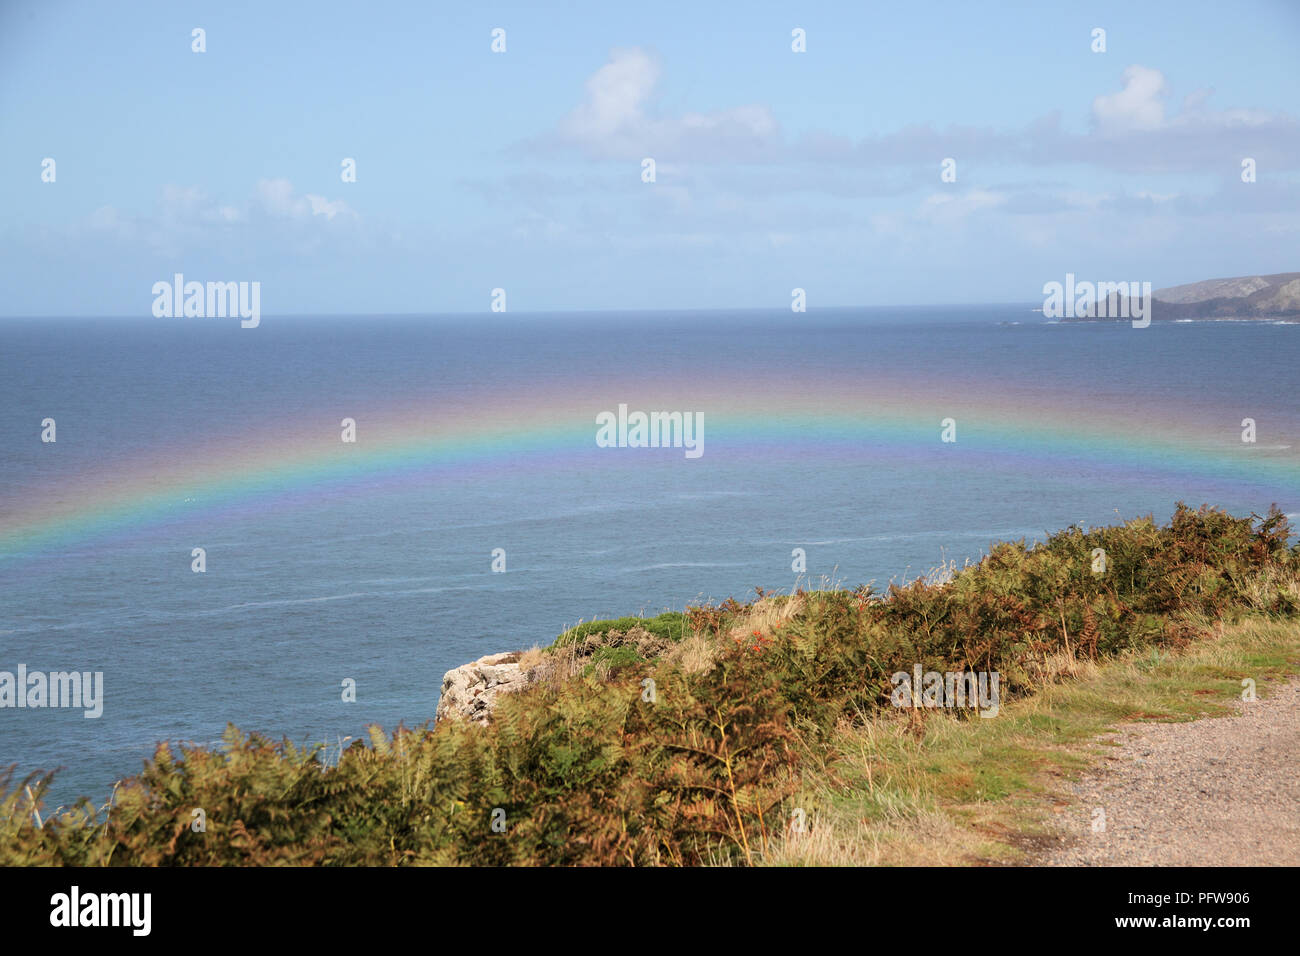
{"points": [[1211, 792]]}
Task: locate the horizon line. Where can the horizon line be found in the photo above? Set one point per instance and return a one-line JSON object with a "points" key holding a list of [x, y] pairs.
{"points": [[1028, 304]]}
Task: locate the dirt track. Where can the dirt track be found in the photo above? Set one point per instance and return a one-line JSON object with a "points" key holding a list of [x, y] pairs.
{"points": [[1211, 792]]}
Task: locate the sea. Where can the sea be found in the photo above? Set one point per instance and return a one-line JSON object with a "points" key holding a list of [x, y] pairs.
{"points": [[299, 528]]}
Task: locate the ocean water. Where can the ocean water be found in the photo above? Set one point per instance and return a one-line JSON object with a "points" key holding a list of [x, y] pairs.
{"points": [[372, 560]]}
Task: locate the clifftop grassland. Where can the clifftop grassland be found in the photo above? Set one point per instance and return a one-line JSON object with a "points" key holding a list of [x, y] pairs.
{"points": [[750, 733]]}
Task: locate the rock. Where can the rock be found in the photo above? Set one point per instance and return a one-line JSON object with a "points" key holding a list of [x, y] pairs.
{"points": [[469, 692]]}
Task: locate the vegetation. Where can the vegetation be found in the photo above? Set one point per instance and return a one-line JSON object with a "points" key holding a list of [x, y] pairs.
{"points": [[935, 792], [693, 738], [671, 625]]}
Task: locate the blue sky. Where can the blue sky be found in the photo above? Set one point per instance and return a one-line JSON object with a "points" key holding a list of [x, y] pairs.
{"points": [[522, 170]]}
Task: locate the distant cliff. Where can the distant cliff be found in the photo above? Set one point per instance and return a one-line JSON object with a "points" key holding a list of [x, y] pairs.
{"points": [[1245, 297]]}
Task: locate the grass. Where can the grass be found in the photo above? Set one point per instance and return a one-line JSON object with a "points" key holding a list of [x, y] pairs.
{"points": [[669, 626], [929, 789]]}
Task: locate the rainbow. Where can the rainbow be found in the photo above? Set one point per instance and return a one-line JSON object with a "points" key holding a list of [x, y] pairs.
{"points": [[550, 427]]}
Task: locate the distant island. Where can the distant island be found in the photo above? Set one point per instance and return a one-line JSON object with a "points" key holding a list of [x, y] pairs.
{"points": [[1243, 298]]}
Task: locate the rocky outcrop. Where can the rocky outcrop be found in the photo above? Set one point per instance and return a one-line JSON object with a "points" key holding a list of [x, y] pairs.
{"points": [[469, 692], [472, 691]]}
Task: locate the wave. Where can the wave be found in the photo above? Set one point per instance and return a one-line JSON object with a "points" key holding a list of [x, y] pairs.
{"points": [[680, 564], [283, 602]]}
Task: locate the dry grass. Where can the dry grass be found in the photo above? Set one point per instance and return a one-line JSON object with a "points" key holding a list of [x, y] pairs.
{"points": [[693, 654], [766, 615], [531, 658], [1264, 588], [1057, 666], [931, 788], [552, 665]]}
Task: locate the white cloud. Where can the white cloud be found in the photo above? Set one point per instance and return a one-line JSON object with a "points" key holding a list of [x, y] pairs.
{"points": [[108, 219], [615, 119], [190, 205], [1138, 106], [187, 219], [277, 198], [320, 206], [1133, 131], [616, 96], [950, 208], [185, 197]]}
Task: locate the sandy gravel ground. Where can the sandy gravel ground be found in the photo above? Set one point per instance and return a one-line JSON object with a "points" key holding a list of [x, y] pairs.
{"points": [[1211, 792]]}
